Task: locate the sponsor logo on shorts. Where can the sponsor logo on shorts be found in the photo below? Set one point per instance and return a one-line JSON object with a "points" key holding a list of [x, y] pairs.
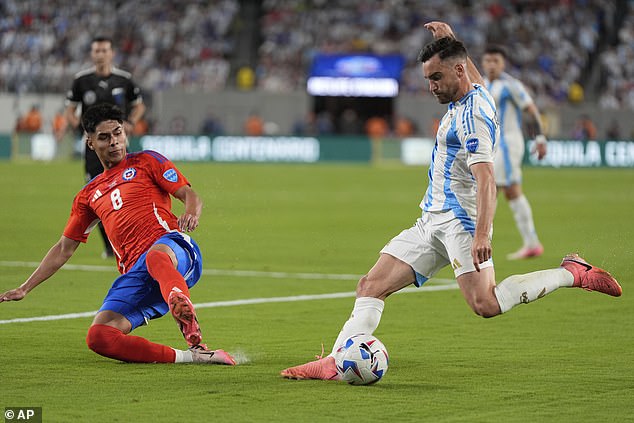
{"points": [[128, 174], [170, 175], [455, 264]]}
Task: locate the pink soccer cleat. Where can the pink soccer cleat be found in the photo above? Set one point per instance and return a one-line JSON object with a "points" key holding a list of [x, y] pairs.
{"points": [[589, 277], [201, 354], [526, 252], [183, 311], [322, 368]]}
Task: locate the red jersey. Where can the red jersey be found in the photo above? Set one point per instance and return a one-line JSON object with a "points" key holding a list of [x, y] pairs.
{"points": [[133, 201]]}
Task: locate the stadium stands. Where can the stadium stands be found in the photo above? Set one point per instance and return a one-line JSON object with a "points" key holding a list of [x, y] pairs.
{"points": [[163, 43], [191, 44], [551, 42]]}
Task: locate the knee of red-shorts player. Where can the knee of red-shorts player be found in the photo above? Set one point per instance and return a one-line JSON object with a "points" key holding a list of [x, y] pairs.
{"points": [[102, 339]]}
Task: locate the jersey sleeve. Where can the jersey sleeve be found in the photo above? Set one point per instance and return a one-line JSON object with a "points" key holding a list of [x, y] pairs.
{"points": [[520, 94], [81, 221], [164, 173], [73, 96], [133, 94], [479, 135]]}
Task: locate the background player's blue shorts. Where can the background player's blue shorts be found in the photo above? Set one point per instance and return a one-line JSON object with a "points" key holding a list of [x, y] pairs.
{"points": [[137, 296]]}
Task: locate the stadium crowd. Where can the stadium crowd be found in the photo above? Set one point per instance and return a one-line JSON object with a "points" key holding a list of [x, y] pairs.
{"points": [[163, 43], [617, 75], [550, 42], [191, 44]]}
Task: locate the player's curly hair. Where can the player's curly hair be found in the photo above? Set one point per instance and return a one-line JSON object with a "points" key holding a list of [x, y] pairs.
{"points": [[100, 113], [446, 47]]}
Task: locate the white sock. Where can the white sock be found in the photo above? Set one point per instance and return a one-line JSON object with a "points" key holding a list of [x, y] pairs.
{"points": [[183, 356], [518, 289], [523, 216], [365, 318]]}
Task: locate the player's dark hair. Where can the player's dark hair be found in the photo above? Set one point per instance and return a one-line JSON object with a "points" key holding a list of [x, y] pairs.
{"points": [[102, 39], [496, 49], [446, 47], [100, 113]]}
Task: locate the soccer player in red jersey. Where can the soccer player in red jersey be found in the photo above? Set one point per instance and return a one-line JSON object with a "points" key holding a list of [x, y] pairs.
{"points": [[158, 262]]}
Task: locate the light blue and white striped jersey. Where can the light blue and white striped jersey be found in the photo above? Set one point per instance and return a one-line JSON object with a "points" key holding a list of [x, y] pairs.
{"points": [[510, 98], [466, 135]]}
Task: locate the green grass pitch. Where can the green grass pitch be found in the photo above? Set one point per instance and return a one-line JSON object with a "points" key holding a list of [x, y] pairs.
{"points": [[567, 358]]}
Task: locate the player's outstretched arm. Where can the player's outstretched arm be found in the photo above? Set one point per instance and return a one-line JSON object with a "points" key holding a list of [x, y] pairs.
{"points": [[441, 30], [188, 221], [51, 263]]}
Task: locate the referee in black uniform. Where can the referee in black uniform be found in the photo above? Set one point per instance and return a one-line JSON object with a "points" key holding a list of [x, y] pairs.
{"points": [[103, 83]]}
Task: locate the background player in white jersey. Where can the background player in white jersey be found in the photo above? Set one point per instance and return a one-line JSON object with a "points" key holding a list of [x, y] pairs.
{"points": [[458, 209], [513, 102]]}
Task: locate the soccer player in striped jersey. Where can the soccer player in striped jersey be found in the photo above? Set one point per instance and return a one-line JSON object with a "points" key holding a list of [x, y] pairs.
{"points": [[158, 262], [513, 101], [458, 208]]}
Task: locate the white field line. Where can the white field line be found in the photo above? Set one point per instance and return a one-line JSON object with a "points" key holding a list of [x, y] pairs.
{"points": [[232, 303], [217, 272], [435, 285]]}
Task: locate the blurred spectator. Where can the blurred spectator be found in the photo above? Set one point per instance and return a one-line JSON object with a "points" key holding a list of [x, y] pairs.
{"points": [[614, 131], [31, 121], [178, 125], [254, 125], [59, 125], [305, 126], [245, 78], [211, 125], [584, 129], [376, 127], [349, 123], [141, 127], [575, 93], [324, 123], [403, 127]]}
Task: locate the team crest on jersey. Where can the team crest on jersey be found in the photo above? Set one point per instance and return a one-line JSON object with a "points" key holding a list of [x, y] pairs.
{"points": [[170, 175], [128, 174], [472, 145], [90, 97]]}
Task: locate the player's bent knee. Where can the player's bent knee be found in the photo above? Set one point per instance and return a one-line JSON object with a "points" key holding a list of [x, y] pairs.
{"points": [[102, 339], [367, 288], [362, 286], [485, 308]]}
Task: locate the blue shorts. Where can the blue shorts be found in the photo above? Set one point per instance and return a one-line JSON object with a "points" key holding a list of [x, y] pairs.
{"points": [[137, 296]]}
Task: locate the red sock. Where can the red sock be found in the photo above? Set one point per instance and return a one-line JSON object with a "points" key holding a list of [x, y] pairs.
{"points": [[112, 343], [162, 270]]}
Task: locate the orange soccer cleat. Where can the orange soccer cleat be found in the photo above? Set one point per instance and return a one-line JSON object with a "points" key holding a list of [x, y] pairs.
{"points": [[589, 277], [183, 311], [322, 368]]}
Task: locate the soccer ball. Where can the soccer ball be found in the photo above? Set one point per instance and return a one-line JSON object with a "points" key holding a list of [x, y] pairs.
{"points": [[361, 360]]}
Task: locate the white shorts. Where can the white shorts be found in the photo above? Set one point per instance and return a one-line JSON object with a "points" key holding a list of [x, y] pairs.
{"points": [[507, 162], [436, 240]]}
